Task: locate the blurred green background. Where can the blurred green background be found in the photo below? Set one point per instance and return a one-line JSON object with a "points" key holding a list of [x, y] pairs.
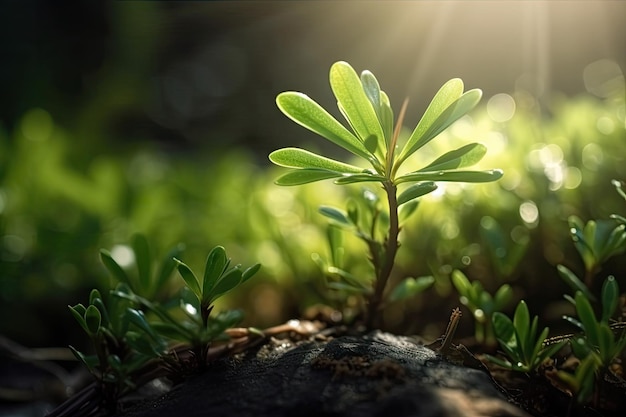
{"points": [[157, 117]]}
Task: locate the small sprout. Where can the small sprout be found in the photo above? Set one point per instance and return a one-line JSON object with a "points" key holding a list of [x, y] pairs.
{"points": [[518, 338]]}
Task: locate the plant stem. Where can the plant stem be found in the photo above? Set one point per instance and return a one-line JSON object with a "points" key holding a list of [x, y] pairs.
{"points": [[390, 250]]}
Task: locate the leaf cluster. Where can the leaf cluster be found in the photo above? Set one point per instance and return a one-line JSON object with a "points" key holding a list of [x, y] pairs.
{"points": [[520, 341], [372, 137], [132, 333]]}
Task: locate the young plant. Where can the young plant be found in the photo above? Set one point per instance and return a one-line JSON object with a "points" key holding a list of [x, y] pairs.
{"points": [[596, 242], [372, 137], [218, 279], [482, 304], [123, 341], [519, 340], [601, 340], [131, 334]]}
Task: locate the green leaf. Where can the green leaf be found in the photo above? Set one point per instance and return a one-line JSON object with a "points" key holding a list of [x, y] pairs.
{"points": [[307, 113], [353, 211], [189, 277], [250, 272], [464, 156], [448, 105], [94, 295], [216, 262], [90, 361], [356, 105], [574, 282], [610, 298], [446, 95], [461, 283], [335, 214], [354, 178], [587, 318], [504, 329], [410, 287], [142, 258], [92, 319], [372, 90], [620, 219], [78, 311], [503, 296], [305, 176], [300, 158], [615, 242], [386, 115], [416, 191], [521, 322], [455, 176], [500, 362], [335, 243], [113, 267], [227, 282], [137, 318]]}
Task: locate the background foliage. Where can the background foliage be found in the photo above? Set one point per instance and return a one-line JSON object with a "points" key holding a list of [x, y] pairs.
{"points": [[97, 143]]}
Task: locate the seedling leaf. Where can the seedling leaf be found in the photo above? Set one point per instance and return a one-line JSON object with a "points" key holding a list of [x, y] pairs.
{"points": [[356, 105], [307, 113], [216, 262], [305, 176], [300, 158], [462, 157], [118, 273], [189, 277], [456, 176], [416, 191]]}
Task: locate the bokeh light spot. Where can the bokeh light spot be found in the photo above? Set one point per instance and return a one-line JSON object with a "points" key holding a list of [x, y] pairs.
{"points": [[529, 212], [501, 107], [573, 178], [123, 255], [592, 156], [605, 125]]}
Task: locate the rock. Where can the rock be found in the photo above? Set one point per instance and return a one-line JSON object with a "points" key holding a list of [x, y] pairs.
{"points": [[373, 375]]}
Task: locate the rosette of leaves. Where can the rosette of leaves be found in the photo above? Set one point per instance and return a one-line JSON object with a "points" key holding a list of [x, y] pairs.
{"points": [[373, 138]]}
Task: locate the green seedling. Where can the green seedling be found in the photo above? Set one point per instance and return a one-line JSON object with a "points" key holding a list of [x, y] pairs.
{"points": [[218, 279], [373, 138], [596, 242], [132, 335], [526, 350], [123, 341], [482, 304], [601, 340]]}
